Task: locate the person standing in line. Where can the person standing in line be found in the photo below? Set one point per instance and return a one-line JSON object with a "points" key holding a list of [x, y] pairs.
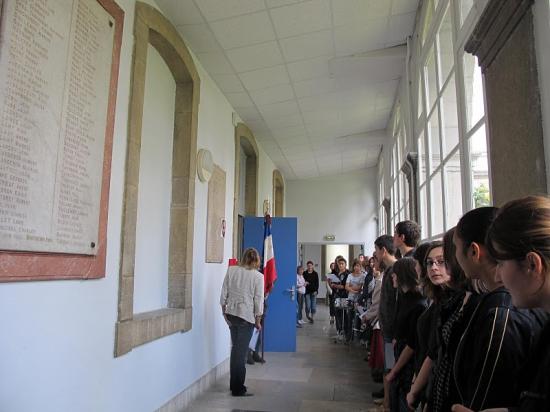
{"points": [[384, 251], [406, 236], [331, 276], [300, 292], [312, 287], [242, 302]]}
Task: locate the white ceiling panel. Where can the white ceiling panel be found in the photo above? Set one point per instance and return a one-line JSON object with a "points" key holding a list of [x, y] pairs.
{"points": [[357, 12], [182, 11], [228, 83], [400, 27], [199, 38], [215, 63], [315, 87], [216, 9], [315, 80], [263, 78], [285, 121], [239, 100], [308, 69], [280, 109], [273, 94], [254, 57], [278, 3], [244, 30], [358, 39], [307, 46], [305, 17]]}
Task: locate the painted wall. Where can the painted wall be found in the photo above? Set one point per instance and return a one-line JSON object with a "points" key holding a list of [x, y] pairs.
{"points": [[343, 205], [58, 337], [541, 18]]}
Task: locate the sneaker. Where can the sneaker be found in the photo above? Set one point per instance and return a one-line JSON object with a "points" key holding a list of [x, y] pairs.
{"points": [[331, 320], [378, 401], [257, 357], [299, 326], [302, 322], [310, 320], [249, 358]]}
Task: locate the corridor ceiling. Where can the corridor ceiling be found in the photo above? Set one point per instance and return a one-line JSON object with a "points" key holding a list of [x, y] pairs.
{"points": [[314, 80]]}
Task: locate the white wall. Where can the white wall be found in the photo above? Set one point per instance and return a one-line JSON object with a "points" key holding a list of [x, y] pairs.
{"points": [[343, 205], [56, 351], [541, 16]]}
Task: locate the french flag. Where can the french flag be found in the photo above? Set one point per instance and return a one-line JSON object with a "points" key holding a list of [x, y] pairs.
{"points": [[270, 271]]}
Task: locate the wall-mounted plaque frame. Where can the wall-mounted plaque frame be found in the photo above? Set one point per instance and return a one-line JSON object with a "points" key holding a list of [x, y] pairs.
{"points": [[215, 225], [59, 76]]}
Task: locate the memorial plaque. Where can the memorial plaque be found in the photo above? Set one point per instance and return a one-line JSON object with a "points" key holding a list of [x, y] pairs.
{"points": [[215, 226], [55, 77]]}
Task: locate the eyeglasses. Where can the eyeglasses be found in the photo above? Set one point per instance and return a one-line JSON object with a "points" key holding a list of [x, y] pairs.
{"points": [[438, 262]]}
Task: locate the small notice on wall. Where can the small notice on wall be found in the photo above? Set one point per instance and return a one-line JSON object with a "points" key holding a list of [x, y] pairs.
{"points": [[55, 70]]}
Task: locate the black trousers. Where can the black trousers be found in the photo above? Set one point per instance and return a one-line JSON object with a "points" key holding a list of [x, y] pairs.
{"points": [[241, 332]]}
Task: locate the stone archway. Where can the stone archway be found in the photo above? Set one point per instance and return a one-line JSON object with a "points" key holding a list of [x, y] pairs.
{"points": [[278, 194], [245, 144], [152, 28]]}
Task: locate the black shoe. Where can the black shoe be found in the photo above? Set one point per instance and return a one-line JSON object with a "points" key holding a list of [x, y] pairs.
{"points": [[257, 357], [249, 358], [378, 394], [243, 394], [310, 320]]}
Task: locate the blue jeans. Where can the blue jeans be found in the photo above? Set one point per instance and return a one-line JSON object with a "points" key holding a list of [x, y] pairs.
{"points": [[300, 306], [311, 303], [241, 332]]}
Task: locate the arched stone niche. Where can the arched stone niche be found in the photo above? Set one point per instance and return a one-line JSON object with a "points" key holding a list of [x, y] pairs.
{"points": [[151, 27], [278, 194], [245, 142]]}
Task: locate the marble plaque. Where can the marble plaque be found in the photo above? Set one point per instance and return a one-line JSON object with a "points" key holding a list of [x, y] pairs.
{"points": [[55, 72], [216, 225]]}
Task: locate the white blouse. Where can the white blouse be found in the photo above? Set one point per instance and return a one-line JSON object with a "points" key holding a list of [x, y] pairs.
{"points": [[243, 293]]}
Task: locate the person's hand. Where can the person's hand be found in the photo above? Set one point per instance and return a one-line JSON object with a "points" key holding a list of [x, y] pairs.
{"points": [[258, 324], [411, 400]]}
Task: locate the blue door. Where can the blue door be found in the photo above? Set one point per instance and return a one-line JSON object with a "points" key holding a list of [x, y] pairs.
{"points": [[280, 319]]}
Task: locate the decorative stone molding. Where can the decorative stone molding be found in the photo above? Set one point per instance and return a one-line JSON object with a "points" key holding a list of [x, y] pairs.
{"points": [[278, 194], [386, 203], [504, 43], [410, 169], [151, 27], [244, 140], [495, 26]]}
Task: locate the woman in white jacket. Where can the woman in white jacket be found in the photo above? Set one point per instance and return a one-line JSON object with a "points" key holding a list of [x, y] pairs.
{"points": [[242, 301]]}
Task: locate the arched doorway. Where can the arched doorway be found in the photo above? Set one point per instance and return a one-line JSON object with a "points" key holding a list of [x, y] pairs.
{"points": [[278, 194], [246, 181]]}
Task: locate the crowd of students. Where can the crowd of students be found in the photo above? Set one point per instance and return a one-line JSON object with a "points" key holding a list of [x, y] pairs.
{"points": [[460, 323]]}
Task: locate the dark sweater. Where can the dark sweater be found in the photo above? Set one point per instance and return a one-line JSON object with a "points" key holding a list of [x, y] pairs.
{"points": [[313, 281]]}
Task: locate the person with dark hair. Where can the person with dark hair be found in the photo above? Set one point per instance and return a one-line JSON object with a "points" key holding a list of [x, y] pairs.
{"points": [[486, 340], [519, 240], [338, 286], [300, 292], [384, 251], [411, 304], [406, 236], [312, 287], [242, 302]]}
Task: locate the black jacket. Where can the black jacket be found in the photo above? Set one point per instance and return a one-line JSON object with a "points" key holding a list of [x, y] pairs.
{"points": [[493, 350], [313, 281], [388, 303]]}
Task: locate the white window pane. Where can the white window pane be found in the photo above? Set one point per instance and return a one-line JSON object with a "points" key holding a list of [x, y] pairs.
{"points": [[450, 117], [403, 192], [431, 79], [423, 211], [419, 103], [453, 187], [434, 148], [436, 204], [446, 55], [473, 84], [421, 158], [480, 168]]}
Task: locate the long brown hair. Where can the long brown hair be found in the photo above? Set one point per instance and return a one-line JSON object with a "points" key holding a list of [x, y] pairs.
{"points": [[250, 259], [521, 226]]}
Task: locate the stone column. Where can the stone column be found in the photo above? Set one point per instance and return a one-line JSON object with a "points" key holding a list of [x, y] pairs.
{"points": [[504, 43]]}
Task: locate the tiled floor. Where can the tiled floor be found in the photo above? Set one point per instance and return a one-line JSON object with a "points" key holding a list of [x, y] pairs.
{"points": [[320, 376]]}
